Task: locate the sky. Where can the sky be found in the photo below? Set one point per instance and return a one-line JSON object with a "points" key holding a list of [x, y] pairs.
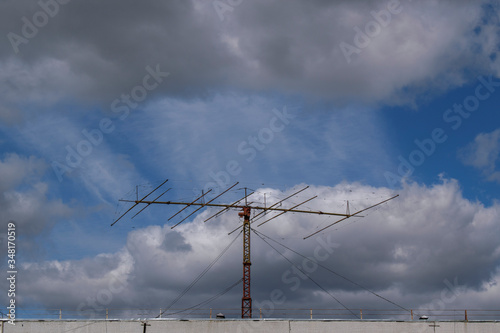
{"points": [[358, 100]]}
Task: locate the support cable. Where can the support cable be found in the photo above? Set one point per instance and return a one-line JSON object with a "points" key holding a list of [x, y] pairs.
{"points": [[333, 272], [310, 278], [201, 275], [208, 300]]}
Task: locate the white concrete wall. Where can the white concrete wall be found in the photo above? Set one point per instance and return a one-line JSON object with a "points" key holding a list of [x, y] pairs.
{"points": [[247, 326]]}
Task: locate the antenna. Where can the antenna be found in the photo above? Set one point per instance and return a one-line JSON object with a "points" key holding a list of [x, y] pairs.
{"points": [[245, 213], [138, 202]]}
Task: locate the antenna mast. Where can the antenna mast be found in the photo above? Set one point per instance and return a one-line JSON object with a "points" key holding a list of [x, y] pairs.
{"points": [[246, 300], [245, 213]]}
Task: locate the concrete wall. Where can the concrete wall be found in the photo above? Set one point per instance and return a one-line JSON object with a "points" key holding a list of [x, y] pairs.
{"points": [[244, 326]]}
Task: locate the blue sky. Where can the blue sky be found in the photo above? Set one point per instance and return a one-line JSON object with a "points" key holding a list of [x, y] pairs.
{"points": [[358, 100]]}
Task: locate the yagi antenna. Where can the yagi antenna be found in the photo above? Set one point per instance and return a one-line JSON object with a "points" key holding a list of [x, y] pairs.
{"points": [[137, 202], [245, 208]]}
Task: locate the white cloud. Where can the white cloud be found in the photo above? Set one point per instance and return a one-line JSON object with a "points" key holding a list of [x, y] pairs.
{"points": [[483, 154], [197, 140], [405, 250], [104, 172]]}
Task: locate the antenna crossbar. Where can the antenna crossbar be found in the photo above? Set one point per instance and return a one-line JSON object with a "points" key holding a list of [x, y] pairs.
{"points": [[288, 210], [277, 203], [189, 204], [228, 206]]}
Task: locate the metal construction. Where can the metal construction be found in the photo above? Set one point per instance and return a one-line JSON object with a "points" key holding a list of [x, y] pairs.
{"points": [[246, 300], [246, 209]]}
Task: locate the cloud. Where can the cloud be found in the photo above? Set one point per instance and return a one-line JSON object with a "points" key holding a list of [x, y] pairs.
{"points": [[175, 242], [408, 250], [25, 200], [79, 154], [102, 274], [226, 80], [261, 46], [483, 154], [304, 54], [270, 140], [17, 169]]}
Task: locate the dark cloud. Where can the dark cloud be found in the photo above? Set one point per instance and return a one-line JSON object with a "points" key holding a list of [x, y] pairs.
{"points": [[96, 52], [175, 242]]}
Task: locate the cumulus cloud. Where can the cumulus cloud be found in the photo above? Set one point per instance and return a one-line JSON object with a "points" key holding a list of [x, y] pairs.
{"points": [[483, 154], [407, 250]]}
